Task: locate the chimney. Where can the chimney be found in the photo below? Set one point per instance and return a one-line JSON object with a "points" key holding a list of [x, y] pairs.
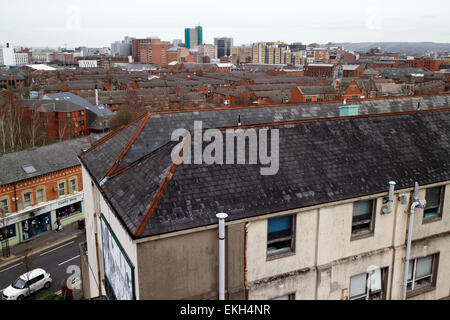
{"points": [[348, 110]]}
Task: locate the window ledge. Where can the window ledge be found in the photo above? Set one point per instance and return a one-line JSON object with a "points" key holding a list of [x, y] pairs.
{"points": [[431, 219], [362, 236], [276, 256], [420, 291]]}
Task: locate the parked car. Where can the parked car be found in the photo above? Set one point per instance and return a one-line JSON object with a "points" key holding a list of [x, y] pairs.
{"points": [[27, 284]]}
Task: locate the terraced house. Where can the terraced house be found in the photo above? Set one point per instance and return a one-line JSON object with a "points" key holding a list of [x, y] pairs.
{"points": [[324, 227], [37, 186]]}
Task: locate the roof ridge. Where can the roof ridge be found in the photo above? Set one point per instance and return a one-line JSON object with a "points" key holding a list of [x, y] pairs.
{"points": [[112, 134], [374, 115], [136, 134], [296, 104]]}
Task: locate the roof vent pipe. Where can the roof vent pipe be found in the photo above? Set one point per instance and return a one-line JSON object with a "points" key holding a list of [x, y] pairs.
{"points": [[221, 217], [391, 198]]}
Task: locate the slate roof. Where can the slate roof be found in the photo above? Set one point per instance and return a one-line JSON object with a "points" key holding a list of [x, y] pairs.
{"points": [[52, 105], [366, 152], [46, 159], [308, 90]]}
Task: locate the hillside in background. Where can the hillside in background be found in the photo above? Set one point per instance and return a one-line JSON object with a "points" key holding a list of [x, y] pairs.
{"points": [[402, 47]]}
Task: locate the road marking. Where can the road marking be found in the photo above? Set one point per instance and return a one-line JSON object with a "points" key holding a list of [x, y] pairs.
{"points": [[11, 267], [42, 254], [68, 260]]}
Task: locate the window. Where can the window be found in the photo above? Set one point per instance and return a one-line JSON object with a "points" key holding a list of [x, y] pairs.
{"points": [[37, 279], [40, 195], [422, 272], [69, 210], [280, 235], [72, 186], [4, 205], [308, 99], [29, 168], [369, 286], [8, 232], [363, 214], [27, 199], [62, 188], [286, 297], [434, 197]]}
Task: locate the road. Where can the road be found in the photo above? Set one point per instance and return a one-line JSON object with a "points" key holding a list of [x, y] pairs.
{"points": [[55, 260]]}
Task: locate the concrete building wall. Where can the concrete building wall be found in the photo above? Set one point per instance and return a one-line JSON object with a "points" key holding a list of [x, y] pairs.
{"points": [[333, 280], [95, 203], [187, 265], [261, 266], [420, 249], [335, 233], [326, 257]]}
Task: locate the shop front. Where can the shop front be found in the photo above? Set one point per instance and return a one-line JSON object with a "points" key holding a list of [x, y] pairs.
{"points": [[68, 211], [26, 224], [8, 232], [36, 225]]}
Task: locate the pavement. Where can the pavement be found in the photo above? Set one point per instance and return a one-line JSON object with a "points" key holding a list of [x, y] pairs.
{"points": [[41, 242], [56, 252]]}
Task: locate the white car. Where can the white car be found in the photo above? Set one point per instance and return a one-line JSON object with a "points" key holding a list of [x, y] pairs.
{"points": [[27, 284]]}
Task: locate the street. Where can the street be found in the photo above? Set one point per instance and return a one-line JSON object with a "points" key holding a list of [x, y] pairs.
{"points": [[55, 260]]}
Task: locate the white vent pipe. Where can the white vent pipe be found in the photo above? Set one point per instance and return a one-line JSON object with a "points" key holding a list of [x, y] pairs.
{"points": [[221, 217], [391, 197]]}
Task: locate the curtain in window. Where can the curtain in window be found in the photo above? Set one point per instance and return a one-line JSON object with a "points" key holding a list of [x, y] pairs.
{"points": [[279, 224], [432, 196], [358, 285], [424, 266]]}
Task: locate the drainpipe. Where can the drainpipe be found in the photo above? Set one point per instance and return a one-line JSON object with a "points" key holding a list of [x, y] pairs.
{"points": [[416, 204], [391, 197], [96, 97], [221, 217]]}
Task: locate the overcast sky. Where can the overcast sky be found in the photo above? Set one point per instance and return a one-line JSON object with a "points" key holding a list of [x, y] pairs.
{"points": [[95, 23]]}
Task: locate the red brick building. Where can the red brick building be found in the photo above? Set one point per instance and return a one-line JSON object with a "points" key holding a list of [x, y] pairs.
{"points": [[38, 186], [61, 120], [321, 70], [12, 81], [352, 71]]}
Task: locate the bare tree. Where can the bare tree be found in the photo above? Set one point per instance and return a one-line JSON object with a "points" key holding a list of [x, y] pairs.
{"points": [[27, 265]]}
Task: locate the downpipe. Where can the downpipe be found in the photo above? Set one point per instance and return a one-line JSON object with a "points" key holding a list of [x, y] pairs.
{"points": [[416, 204]]}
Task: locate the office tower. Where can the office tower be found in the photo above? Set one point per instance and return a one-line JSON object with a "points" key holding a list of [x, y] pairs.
{"points": [[223, 46], [193, 37]]}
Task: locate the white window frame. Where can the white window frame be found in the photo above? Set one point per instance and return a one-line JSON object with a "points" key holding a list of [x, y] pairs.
{"points": [[25, 205], [59, 188], [413, 273], [6, 207], [37, 195]]}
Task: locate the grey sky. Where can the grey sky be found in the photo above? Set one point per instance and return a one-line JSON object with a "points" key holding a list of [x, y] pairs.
{"points": [[99, 22]]}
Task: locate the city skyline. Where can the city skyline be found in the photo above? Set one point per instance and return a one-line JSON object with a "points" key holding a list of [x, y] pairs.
{"points": [[98, 24]]}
